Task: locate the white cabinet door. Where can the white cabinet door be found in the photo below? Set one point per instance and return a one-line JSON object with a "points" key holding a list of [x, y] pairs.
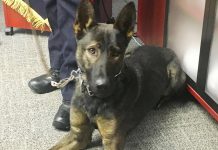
{"points": [[185, 23], [212, 77]]}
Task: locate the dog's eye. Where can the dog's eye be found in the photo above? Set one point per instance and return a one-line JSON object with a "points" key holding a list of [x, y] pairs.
{"points": [[92, 51]]}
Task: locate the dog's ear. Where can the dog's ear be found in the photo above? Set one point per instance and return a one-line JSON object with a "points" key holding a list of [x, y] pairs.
{"points": [[85, 18], [126, 19]]}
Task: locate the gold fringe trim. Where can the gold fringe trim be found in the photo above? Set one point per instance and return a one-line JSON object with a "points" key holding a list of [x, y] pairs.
{"points": [[28, 13]]}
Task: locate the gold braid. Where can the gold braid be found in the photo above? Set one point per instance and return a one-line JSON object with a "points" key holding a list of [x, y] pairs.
{"points": [[28, 13], [34, 19]]}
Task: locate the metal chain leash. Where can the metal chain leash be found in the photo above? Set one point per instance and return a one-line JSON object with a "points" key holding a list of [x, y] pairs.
{"points": [[75, 74]]}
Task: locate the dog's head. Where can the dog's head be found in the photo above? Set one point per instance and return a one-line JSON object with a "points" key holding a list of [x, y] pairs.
{"points": [[101, 47]]}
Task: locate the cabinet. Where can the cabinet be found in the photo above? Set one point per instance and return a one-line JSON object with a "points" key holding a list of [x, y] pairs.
{"points": [[190, 28], [192, 33], [151, 20]]}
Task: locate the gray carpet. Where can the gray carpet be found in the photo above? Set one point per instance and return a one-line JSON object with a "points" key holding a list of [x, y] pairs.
{"points": [[26, 118]]}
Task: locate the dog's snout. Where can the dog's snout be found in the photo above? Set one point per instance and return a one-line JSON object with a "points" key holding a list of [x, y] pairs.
{"points": [[101, 84]]}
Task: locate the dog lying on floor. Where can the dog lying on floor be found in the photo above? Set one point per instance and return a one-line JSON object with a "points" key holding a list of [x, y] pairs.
{"points": [[115, 91]]}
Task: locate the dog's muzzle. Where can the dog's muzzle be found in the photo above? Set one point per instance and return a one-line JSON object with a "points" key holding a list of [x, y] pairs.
{"points": [[102, 87]]}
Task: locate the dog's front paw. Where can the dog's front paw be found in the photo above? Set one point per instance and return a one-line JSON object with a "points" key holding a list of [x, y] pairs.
{"points": [[72, 145], [56, 147], [72, 142]]}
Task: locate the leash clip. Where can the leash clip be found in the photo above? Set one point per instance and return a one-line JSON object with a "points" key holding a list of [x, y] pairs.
{"points": [[118, 74], [89, 91]]}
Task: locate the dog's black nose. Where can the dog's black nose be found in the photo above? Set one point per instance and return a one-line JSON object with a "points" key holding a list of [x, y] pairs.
{"points": [[101, 84]]}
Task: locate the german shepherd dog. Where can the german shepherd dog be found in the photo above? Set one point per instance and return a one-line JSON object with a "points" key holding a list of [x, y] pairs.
{"points": [[115, 90]]}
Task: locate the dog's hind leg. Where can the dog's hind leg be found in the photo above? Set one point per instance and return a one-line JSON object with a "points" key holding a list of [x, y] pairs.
{"points": [[113, 137], [80, 133], [176, 75], [177, 80]]}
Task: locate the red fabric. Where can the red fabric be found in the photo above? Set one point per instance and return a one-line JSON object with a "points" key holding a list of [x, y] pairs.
{"points": [[13, 19]]}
